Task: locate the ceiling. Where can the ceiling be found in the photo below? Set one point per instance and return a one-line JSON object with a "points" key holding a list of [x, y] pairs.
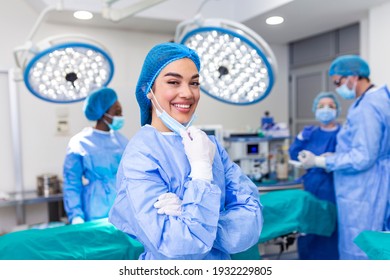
{"points": [[303, 18]]}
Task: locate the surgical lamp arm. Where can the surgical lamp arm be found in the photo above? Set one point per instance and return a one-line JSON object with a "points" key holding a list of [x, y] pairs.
{"points": [[29, 45], [119, 14], [58, 7], [183, 27]]}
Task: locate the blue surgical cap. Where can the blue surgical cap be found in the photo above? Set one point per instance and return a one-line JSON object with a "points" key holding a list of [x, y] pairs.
{"points": [[328, 95], [98, 102], [157, 59], [349, 65]]}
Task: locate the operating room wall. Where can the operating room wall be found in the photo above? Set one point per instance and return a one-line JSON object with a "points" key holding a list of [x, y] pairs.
{"points": [[378, 44], [43, 150]]}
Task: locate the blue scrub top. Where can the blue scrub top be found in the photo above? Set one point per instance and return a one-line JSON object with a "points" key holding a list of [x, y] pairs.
{"points": [[320, 183]]}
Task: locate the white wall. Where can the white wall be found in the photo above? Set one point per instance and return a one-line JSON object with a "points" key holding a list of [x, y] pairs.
{"points": [[43, 150], [378, 44]]}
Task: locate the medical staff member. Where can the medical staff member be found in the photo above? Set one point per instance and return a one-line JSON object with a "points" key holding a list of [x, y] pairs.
{"points": [[319, 139], [92, 159], [179, 194], [361, 163]]}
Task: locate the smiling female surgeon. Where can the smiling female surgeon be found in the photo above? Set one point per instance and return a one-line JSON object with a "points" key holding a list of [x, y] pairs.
{"points": [[178, 192]]}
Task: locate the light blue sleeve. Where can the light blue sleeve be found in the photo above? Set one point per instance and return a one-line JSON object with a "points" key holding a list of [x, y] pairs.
{"points": [[141, 180], [241, 222], [72, 184], [363, 143]]}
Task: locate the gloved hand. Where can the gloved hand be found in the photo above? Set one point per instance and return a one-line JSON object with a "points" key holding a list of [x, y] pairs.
{"points": [[169, 204], [310, 160], [200, 152], [77, 220], [327, 154]]}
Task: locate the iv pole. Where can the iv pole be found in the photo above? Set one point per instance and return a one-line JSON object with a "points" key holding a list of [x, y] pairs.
{"points": [[15, 76], [16, 142]]}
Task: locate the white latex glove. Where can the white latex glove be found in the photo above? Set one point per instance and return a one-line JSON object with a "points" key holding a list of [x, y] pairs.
{"points": [[169, 204], [200, 152], [310, 160], [77, 220]]}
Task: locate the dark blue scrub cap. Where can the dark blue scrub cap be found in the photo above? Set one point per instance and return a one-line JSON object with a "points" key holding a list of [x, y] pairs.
{"points": [[157, 59], [349, 65], [98, 102]]}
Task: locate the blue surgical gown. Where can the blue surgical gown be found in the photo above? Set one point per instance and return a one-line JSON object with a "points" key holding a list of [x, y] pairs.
{"points": [[361, 168], [89, 173], [218, 218], [320, 183]]}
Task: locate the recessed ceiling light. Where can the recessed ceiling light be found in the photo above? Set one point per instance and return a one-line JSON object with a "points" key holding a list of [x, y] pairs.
{"points": [[274, 20], [84, 15]]}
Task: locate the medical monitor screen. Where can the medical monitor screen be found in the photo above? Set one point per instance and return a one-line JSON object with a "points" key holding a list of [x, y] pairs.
{"points": [[252, 149]]}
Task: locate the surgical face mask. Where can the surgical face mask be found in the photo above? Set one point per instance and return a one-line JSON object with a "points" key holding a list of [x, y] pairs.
{"points": [[169, 122], [117, 122], [325, 115], [345, 92]]}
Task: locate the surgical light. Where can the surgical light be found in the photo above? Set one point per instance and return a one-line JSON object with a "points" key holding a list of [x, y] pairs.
{"points": [[238, 66], [65, 70]]}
